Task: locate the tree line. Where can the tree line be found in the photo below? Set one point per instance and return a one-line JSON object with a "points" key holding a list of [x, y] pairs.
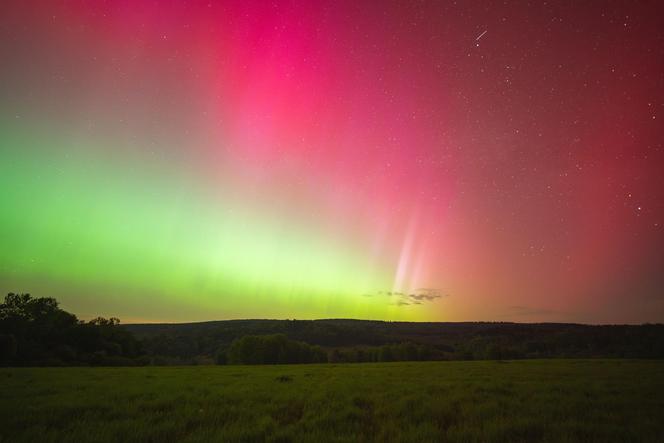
{"points": [[374, 341], [270, 350], [36, 331]]}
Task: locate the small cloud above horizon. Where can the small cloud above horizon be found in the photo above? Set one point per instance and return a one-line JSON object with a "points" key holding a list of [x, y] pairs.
{"points": [[417, 297]]}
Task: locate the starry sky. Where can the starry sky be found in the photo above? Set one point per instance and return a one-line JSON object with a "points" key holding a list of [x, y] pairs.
{"points": [[396, 160]]}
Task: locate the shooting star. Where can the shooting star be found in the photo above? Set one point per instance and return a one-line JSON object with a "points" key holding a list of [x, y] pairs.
{"points": [[480, 36]]}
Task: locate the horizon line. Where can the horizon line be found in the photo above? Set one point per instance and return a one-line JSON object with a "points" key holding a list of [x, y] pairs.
{"points": [[395, 321]]}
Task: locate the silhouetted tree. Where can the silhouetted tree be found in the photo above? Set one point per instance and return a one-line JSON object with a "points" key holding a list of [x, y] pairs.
{"points": [[43, 334], [273, 349]]}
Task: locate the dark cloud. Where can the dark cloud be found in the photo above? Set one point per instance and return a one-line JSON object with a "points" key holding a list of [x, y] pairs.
{"points": [[420, 296], [427, 297], [428, 294]]}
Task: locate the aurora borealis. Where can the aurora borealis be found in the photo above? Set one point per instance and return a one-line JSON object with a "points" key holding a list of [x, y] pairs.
{"points": [[186, 160]]}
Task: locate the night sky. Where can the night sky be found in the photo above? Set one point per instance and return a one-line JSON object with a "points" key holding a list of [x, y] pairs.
{"points": [[409, 160]]}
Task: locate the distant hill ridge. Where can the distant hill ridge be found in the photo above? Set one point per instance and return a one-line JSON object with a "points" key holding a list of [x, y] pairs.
{"points": [[455, 339]]}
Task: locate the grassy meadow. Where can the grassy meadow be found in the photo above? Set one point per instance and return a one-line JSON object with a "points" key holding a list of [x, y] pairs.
{"points": [[488, 401]]}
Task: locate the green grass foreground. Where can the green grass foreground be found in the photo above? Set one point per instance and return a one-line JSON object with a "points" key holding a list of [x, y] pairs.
{"points": [[553, 401]]}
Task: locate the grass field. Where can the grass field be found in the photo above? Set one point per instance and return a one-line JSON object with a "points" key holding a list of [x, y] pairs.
{"points": [[553, 401]]}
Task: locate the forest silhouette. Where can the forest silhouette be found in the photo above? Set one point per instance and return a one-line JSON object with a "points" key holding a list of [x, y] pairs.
{"points": [[37, 332]]}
